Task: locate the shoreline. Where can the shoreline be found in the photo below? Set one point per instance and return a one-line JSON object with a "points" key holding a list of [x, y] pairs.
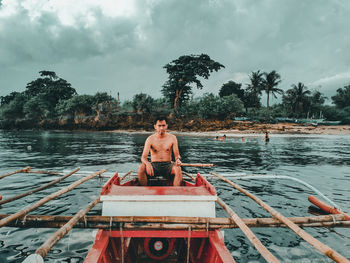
{"points": [[240, 129], [257, 130]]}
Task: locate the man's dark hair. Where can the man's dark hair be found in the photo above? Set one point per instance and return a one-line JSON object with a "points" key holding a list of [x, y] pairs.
{"points": [[159, 118]]}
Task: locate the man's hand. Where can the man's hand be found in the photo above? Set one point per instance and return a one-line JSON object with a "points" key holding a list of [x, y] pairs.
{"points": [[149, 169], [178, 162]]}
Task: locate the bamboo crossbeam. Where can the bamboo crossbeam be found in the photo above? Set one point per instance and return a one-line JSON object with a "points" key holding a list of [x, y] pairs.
{"points": [[300, 232], [46, 247], [188, 175], [198, 164], [327, 208], [16, 172], [125, 175], [44, 200], [104, 222], [267, 255], [38, 189], [43, 172]]}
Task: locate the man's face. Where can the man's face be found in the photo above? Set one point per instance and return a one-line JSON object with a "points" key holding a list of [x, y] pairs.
{"points": [[161, 127]]}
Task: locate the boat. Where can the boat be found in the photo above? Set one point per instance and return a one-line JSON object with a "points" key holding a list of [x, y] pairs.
{"points": [[166, 245], [161, 222]]}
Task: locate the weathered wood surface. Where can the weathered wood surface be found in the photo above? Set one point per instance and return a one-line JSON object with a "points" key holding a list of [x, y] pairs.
{"points": [[104, 222], [38, 189], [5, 221], [265, 253], [329, 252], [188, 175], [125, 175], [24, 170], [198, 164]]}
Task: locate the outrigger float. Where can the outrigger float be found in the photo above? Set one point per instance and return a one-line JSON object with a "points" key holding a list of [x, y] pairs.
{"points": [[160, 222]]}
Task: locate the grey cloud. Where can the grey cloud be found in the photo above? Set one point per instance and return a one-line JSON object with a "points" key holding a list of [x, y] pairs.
{"points": [[305, 41]]}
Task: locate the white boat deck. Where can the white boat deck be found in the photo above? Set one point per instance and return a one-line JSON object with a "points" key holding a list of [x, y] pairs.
{"points": [[194, 201]]}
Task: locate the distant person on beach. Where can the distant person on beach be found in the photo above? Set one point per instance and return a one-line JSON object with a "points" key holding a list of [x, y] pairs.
{"points": [[161, 145], [267, 138]]}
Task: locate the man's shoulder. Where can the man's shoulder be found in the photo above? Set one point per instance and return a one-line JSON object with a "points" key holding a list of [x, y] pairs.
{"points": [[171, 136]]}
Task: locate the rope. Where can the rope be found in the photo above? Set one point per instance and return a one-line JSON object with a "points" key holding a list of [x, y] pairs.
{"points": [[262, 176], [188, 244], [122, 241]]}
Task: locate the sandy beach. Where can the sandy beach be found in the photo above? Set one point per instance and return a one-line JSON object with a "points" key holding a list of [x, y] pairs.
{"points": [[256, 129]]}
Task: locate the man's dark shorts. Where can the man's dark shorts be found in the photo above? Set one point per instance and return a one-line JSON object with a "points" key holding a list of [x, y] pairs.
{"points": [[162, 169]]}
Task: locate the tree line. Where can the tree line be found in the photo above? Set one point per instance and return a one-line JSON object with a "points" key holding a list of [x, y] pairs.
{"points": [[52, 100]]}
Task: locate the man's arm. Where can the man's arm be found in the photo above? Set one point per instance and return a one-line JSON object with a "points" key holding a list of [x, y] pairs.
{"points": [[144, 157], [176, 152]]}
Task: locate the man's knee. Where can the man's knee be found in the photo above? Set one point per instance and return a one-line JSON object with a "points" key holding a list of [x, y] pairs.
{"points": [[142, 168], [176, 170]]}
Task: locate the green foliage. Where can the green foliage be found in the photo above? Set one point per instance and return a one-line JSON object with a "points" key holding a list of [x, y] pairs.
{"points": [[142, 103], [102, 97], [183, 72], [13, 109], [214, 107], [253, 91], [8, 98], [78, 104], [316, 103], [270, 83], [333, 113], [37, 108], [296, 100], [161, 106], [189, 108], [268, 114], [342, 98], [232, 87]]}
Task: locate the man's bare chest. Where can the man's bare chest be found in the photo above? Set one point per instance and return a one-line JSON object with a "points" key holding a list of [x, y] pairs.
{"points": [[159, 146]]}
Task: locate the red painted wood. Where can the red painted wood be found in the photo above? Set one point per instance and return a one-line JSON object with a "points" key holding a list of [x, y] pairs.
{"points": [[159, 233], [98, 248], [217, 241], [327, 208], [117, 190]]}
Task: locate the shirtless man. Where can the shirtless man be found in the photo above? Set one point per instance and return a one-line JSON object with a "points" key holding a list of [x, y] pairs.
{"points": [[161, 145]]}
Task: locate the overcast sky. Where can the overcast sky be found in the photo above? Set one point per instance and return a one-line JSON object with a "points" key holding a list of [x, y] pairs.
{"points": [[122, 46]]}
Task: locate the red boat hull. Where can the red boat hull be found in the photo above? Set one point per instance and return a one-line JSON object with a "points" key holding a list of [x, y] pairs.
{"points": [[203, 246]]}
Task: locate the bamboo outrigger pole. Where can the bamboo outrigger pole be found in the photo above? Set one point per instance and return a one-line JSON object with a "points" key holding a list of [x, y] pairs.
{"points": [[37, 189], [267, 255], [104, 222], [190, 176], [125, 175], [44, 200], [24, 170], [46, 247], [300, 232], [198, 164]]}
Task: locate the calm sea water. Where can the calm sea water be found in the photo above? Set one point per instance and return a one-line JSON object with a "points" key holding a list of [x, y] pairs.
{"points": [[322, 161]]}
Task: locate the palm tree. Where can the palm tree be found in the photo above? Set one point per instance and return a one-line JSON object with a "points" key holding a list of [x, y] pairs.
{"points": [[269, 83], [254, 89], [299, 97]]}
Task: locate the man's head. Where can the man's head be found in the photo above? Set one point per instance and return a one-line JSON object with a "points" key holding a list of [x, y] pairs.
{"points": [[160, 125]]}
